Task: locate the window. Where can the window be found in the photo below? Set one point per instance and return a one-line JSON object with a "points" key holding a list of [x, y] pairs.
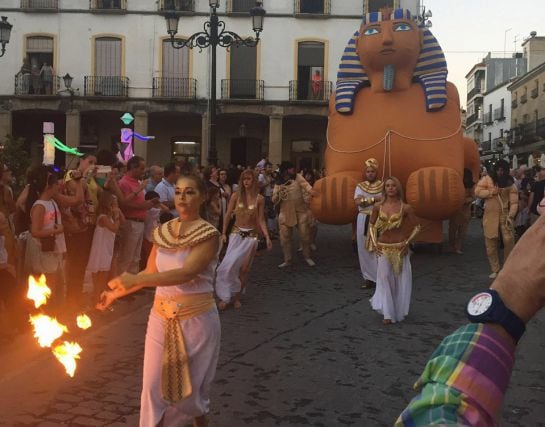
{"points": [[108, 73], [174, 80], [39, 53], [242, 5], [310, 70], [313, 7], [243, 72], [375, 5], [179, 5]]}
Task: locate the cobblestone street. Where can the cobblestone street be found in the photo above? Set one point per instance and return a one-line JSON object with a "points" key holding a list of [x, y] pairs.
{"points": [[305, 349]]}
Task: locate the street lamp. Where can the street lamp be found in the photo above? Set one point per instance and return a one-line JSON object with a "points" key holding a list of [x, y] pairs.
{"points": [[5, 32], [214, 35]]}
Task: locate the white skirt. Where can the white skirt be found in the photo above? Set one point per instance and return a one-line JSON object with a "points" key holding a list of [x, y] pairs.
{"points": [[393, 294], [202, 336], [238, 252], [368, 260]]}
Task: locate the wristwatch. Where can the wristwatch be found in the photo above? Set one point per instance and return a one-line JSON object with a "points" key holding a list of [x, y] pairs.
{"points": [[488, 307]]}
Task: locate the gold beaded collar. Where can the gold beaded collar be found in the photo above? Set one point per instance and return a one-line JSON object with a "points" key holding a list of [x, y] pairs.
{"points": [[371, 187], [165, 236]]}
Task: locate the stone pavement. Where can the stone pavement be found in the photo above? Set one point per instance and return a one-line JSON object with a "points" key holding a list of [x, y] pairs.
{"points": [[305, 349]]}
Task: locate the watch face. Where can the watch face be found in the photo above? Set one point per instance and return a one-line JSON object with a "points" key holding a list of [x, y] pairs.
{"points": [[479, 304]]}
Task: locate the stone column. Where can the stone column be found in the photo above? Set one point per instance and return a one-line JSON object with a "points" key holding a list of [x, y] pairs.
{"points": [[275, 139], [204, 140], [141, 127], [5, 124], [72, 132]]}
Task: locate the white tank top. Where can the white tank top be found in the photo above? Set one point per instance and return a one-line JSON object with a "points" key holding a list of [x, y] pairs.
{"points": [[50, 207]]}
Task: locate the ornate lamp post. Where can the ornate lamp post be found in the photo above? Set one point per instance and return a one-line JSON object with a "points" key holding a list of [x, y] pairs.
{"points": [[214, 35], [5, 32]]}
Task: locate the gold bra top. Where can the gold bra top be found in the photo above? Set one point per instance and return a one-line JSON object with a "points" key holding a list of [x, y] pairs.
{"points": [[250, 210], [385, 222]]}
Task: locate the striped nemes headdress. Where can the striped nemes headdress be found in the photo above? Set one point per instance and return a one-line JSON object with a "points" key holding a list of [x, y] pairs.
{"points": [[430, 71]]}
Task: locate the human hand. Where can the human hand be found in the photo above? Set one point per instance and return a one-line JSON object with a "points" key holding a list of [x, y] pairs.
{"points": [[269, 243], [224, 238], [123, 283], [107, 298], [144, 184], [59, 229], [521, 281], [495, 190]]}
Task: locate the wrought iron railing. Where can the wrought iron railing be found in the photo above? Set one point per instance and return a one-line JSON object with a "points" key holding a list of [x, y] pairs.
{"points": [[514, 103], [499, 113], [476, 90], [305, 90], [108, 5], [27, 84], [177, 5], [242, 89], [488, 120], [40, 4], [534, 93], [486, 146], [240, 6], [523, 99], [312, 7], [105, 86], [174, 87]]}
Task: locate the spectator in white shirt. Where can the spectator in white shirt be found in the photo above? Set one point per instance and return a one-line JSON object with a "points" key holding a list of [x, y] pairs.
{"points": [[165, 188]]}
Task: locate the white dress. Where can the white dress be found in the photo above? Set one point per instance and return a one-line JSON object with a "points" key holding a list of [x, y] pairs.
{"points": [[102, 249], [202, 335], [239, 250], [368, 260], [393, 293]]}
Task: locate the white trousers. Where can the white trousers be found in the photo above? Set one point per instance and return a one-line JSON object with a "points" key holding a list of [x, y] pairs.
{"points": [[368, 260], [240, 252], [132, 233], [202, 336], [393, 293]]}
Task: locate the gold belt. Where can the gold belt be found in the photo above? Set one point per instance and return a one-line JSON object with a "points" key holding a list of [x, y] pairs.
{"points": [[175, 377], [245, 233], [392, 252]]}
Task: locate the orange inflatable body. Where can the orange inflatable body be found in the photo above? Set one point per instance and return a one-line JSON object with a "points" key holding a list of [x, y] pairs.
{"points": [[413, 128]]}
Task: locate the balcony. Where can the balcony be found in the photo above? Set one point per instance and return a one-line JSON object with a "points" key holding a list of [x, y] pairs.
{"points": [[475, 91], [534, 93], [305, 90], [240, 6], [488, 119], [514, 103], [174, 87], [177, 5], [106, 86], [540, 128], [486, 146], [499, 114], [26, 84], [312, 8], [108, 6], [40, 5], [474, 118], [243, 89], [523, 99]]}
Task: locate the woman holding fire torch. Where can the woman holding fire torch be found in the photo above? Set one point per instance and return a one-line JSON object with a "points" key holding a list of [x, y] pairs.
{"points": [[183, 335]]}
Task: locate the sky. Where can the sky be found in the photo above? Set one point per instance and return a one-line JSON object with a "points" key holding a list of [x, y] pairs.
{"points": [[468, 29]]}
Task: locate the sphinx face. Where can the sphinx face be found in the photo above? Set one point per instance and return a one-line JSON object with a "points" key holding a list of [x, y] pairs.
{"points": [[389, 43]]}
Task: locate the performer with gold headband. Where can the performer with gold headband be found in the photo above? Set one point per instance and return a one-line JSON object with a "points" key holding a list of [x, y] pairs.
{"points": [[288, 192], [393, 226], [183, 335], [367, 193]]}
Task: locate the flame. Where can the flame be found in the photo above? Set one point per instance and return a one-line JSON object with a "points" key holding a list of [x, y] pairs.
{"points": [[47, 329], [38, 291], [67, 353], [83, 321]]}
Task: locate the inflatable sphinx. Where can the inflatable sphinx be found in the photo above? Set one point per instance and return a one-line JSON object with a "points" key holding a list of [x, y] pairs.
{"points": [[392, 102]]}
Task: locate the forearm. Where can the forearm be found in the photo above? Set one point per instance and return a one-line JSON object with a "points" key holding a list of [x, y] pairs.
{"points": [[179, 276]]}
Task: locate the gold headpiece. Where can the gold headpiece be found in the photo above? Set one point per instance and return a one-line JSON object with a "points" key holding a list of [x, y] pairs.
{"points": [[371, 163]]}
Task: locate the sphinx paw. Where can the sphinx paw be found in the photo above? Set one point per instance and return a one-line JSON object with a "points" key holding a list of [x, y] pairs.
{"points": [[334, 203]]}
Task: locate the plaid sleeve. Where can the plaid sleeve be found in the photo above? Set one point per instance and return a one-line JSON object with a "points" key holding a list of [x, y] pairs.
{"points": [[464, 380]]}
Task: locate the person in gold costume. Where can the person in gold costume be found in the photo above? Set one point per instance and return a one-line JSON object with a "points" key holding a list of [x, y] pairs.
{"points": [[500, 208], [367, 193], [288, 193], [393, 226]]}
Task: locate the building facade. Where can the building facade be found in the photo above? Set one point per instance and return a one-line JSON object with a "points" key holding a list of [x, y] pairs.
{"points": [[485, 77], [496, 121], [272, 99]]}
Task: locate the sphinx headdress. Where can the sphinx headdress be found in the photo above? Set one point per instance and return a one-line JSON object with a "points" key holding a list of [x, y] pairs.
{"points": [[430, 71]]}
